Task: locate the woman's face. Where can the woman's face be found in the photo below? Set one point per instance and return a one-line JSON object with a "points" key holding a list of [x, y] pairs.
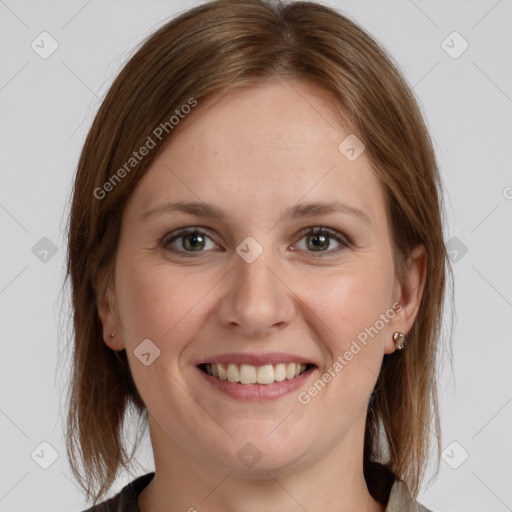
{"points": [[257, 288]]}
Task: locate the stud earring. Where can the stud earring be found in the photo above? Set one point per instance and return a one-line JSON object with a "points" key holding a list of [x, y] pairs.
{"points": [[113, 334], [399, 339]]}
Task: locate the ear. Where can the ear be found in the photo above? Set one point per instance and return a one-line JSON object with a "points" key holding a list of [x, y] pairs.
{"points": [[408, 295], [106, 311]]}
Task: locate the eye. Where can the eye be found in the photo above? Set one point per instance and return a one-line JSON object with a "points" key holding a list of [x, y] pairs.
{"points": [[188, 241], [193, 240], [319, 240]]}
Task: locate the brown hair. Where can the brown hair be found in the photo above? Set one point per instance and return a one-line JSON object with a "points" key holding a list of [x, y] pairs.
{"points": [[204, 51]]}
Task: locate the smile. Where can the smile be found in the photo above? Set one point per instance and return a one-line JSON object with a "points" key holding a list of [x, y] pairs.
{"points": [[248, 374]]}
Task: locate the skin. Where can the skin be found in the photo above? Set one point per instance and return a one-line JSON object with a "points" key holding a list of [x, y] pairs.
{"points": [[254, 153]]}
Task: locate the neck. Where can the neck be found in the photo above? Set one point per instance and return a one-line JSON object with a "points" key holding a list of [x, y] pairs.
{"points": [[333, 482]]}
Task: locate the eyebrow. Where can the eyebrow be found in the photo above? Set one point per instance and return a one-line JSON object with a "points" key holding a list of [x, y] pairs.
{"points": [[202, 209]]}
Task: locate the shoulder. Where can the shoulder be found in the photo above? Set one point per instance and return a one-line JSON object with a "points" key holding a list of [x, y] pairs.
{"points": [[401, 501], [126, 499], [386, 488]]}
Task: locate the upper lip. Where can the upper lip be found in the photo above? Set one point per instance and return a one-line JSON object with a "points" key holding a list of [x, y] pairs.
{"points": [[255, 359]]}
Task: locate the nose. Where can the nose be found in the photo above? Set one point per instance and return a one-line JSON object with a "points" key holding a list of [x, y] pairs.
{"points": [[257, 300]]}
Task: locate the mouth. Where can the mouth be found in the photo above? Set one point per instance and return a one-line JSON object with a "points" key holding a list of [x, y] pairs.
{"points": [[246, 374]]}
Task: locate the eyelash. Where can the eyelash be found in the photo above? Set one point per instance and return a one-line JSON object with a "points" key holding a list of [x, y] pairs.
{"points": [[330, 233]]}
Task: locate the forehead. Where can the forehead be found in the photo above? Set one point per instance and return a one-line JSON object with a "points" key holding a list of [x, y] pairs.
{"points": [[255, 149]]}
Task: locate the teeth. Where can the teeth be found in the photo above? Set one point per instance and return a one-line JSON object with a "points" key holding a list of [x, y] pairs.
{"points": [[220, 370], [233, 373], [265, 374], [290, 370], [248, 374], [280, 372]]}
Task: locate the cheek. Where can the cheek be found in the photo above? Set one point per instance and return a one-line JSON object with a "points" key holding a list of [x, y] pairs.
{"points": [[354, 299], [352, 306], [348, 307], [153, 302], [162, 306]]}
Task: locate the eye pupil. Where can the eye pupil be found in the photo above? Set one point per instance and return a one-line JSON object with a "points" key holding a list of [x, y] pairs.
{"points": [[319, 239], [194, 241], [197, 244]]}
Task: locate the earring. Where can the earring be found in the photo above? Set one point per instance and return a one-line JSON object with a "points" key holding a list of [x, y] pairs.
{"points": [[113, 334], [399, 339]]}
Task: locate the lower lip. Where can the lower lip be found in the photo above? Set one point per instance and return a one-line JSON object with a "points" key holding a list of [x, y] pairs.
{"points": [[258, 392]]}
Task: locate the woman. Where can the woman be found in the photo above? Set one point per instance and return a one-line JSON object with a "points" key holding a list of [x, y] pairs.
{"points": [[258, 269]]}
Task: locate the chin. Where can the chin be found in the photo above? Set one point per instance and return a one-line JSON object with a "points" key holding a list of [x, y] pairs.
{"points": [[254, 457]]}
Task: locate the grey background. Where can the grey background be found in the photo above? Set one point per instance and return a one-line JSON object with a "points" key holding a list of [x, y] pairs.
{"points": [[46, 108]]}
